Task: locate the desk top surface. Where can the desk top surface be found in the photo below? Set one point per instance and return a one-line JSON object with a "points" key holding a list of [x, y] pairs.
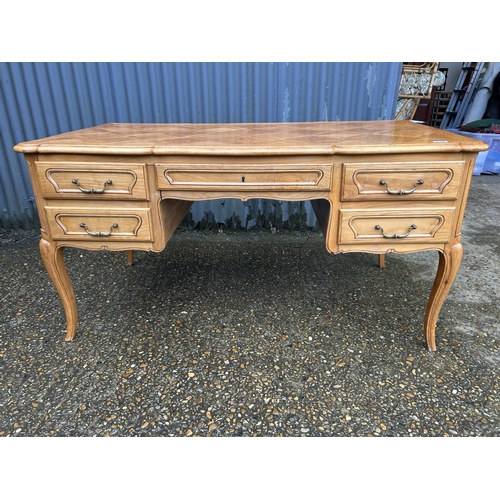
{"points": [[325, 138]]}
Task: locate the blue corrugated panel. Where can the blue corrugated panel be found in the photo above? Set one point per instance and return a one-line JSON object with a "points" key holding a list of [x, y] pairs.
{"points": [[42, 99]]}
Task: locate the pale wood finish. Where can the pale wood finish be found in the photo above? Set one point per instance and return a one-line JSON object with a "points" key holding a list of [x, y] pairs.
{"points": [[53, 259], [136, 182], [241, 174], [121, 224], [358, 226], [130, 257], [118, 182], [376, 181]]}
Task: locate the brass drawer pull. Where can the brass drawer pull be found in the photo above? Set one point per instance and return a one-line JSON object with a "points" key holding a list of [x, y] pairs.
{"points": [[400, 191], [378, 228], [92, 191], [96, 233]]}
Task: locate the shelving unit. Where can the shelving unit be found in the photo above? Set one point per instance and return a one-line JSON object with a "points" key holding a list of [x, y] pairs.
{"points": [[441, 101]]}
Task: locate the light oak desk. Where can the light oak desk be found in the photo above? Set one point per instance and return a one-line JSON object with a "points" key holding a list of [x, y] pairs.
{"points": [[376, 187]]}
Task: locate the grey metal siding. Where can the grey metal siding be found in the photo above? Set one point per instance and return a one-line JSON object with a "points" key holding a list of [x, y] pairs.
{"points": [[42, 99]]}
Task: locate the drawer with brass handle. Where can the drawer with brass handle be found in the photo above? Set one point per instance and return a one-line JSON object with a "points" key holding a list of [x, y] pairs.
{"points": [[398, 181], [66, 223], [68, 180], [398, 226]]}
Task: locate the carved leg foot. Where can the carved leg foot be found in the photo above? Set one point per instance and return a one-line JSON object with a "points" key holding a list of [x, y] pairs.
{"points": [[54, 263], [449, 262]]}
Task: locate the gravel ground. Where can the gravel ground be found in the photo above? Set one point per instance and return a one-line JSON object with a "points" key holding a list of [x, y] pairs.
{"points": [[253, 334]]}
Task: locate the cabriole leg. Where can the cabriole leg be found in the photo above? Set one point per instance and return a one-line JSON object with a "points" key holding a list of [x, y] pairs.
{"points": [[449, 263], [53, 260]]}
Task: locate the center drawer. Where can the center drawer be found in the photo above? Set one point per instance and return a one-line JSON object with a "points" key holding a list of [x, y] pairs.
{"points": [[244, 176]]}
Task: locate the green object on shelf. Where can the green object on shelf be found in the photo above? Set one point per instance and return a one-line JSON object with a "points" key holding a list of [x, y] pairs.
{"points": [[480, 124]]}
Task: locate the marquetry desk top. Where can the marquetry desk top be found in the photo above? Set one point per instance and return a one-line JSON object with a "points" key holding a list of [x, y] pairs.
{"points": [[254, 139]]}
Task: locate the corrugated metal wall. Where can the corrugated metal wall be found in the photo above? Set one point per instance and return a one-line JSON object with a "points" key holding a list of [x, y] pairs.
{"points": [[42, 99]]}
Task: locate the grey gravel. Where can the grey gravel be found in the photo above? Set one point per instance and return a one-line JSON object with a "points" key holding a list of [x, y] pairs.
{"points": [[230, 333]]}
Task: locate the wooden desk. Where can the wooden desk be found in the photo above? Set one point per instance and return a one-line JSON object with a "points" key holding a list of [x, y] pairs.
{"points": [[376, 187]]}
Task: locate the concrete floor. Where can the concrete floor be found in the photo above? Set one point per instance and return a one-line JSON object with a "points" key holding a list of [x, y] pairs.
{"points": [[253, 334]]}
